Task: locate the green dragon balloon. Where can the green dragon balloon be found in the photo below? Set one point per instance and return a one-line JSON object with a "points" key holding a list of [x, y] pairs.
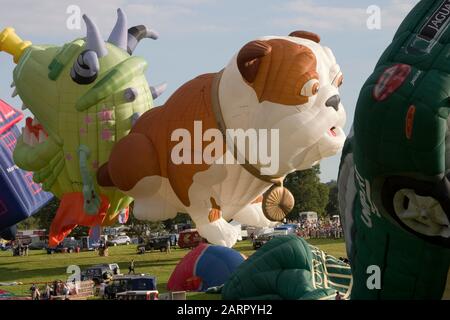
{"points": [[85, 96], [394, 183]]}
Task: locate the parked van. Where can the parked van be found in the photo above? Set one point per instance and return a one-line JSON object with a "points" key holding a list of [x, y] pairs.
{"points": [[309, 216]]}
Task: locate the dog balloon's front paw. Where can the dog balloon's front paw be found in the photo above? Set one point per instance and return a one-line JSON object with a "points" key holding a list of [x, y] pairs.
{"points": [[219, 233]]}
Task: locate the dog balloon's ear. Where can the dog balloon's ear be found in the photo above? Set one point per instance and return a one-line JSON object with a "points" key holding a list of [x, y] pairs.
{"points": [[249, 58], [305, 35]]}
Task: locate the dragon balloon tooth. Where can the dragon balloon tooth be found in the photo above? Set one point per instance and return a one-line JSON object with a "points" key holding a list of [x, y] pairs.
{"points": [[26, 136], [42, 137], [14, 94], [33, 140]]}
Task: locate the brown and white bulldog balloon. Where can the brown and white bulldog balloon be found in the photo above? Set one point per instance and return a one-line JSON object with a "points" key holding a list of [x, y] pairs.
{"points": [[280, 94]]}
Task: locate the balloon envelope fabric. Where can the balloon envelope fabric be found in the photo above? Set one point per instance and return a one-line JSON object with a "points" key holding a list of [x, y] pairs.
{"points": [[204, 267], [394, 193], [20, 197], [288, 268]]}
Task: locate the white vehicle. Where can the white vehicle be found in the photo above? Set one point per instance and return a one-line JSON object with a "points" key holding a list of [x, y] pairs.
{"points": [[309, 216], [120, 240], [336, 220], [262, 231]]}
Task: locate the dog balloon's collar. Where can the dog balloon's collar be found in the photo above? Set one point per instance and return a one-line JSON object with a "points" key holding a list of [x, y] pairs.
{"points": [[278, 201]]}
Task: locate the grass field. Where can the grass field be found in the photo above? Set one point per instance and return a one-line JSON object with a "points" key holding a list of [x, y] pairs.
{"points": [[40, 267]]}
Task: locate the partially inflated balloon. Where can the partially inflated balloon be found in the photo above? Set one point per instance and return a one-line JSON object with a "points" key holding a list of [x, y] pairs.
{"points": [[394, 187], [20, 196], [204, 267], [288, 268]]}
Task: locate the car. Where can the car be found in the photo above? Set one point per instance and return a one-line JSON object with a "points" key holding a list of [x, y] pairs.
{"points": [[5, 246], [158, 243], [120, 240], [68, 245], [130, 283], [285, 229], [99, 273], [37, 245], [113, 267], [261, 240]]}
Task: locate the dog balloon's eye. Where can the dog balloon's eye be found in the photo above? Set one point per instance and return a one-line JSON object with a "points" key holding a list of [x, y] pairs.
{"points": [[339, 80], [310, 88]]}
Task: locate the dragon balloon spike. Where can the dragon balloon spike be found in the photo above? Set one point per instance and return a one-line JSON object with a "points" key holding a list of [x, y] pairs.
{"points": [[84, 96]]}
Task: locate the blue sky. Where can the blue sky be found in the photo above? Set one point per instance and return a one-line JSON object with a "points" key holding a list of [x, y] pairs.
{"points": [[199, 36]]}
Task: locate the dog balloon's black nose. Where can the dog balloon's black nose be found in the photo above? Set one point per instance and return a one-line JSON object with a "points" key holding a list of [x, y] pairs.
{"points": [[334, 102]]}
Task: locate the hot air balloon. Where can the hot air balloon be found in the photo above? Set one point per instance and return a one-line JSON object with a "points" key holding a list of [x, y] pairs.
{"points": [[84, 97], [204, 267], [20, 196], [191, 154], [394, 188], [288, 268]]}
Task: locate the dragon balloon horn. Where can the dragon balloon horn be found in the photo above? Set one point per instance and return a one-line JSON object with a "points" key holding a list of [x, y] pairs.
{"points": [[84, 96]]}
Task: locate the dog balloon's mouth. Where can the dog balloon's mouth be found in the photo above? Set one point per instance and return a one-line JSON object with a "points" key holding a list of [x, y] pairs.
{"points": [[332, 132]]}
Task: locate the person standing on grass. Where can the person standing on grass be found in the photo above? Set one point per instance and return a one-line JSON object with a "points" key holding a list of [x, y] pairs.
{"points": [[131, 267], [33, 289], [168, 246], [66, 291], [48, 291]]}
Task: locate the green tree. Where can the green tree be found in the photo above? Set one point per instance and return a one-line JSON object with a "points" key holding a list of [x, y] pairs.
{"points": [[141, 227], [180, 218], [41, 219], [332, 207], [47, 213], [309, 193], [28, 224]]}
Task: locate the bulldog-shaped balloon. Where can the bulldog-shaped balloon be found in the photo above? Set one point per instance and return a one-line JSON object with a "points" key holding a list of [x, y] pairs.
{"points": [[278, 93]]}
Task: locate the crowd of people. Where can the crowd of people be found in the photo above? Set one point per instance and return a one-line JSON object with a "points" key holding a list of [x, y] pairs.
{"points": [[20, 249], [58, 288], [320, 229]]}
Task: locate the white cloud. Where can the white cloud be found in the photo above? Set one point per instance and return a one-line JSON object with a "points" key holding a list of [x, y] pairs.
{"points": [[324, 17]]}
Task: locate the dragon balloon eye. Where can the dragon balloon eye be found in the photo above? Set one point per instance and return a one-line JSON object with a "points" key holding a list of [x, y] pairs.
{"points": [[310, 88]]}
